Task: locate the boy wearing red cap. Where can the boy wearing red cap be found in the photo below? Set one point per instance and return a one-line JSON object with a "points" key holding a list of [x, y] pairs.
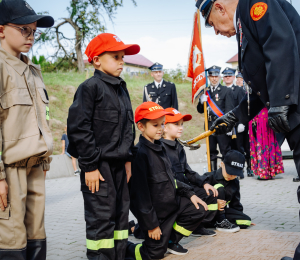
{"points": [[182, 171], [165, 208], [25, 137], [101, 134]]}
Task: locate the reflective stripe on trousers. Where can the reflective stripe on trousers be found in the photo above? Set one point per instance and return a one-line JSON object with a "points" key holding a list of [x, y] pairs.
{"points": [[182, 230], [107, 243]]}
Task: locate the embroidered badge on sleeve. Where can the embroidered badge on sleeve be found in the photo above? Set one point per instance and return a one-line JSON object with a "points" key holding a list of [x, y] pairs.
{"points": [[258, 11]]}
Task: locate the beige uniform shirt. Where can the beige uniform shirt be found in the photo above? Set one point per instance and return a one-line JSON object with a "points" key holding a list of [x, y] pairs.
{"points": [[25, 135]]}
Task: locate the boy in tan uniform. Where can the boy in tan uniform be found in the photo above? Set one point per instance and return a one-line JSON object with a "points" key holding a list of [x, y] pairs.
{"points": [[25, 137]]}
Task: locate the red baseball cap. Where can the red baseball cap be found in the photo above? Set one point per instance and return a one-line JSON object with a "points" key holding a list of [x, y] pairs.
{"points": [[109, 42], [176, 116], [149, 110]]}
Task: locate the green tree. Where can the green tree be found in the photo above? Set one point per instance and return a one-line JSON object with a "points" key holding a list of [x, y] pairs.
{"points": [[86, 17]]}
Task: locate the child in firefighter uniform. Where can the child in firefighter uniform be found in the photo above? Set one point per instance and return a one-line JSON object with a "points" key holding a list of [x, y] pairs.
{"points": [[230, 217], [25, 137], [182, 171], [101, 134], [165, 208]]}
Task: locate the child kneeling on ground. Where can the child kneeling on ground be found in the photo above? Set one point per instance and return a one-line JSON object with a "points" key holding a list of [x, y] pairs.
{"points": [[230, 217], [165, 208], [173, 129]]}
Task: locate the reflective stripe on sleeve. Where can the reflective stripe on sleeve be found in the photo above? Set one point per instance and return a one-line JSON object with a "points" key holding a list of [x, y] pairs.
{"points": [[137, 252], [243, 222], [228, 203], [212, 207], [175, 183], [120, 234], [219, 185], [102, 243], [182, 230]]}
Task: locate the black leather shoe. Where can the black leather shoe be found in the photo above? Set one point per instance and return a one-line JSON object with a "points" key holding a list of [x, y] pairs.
{"points": [[296, 179], [286, 258], [249, 173]]}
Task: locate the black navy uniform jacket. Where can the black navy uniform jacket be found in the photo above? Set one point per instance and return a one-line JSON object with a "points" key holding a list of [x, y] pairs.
{"points": [[223, 98], [100, 122], [180, 167], [269, 58], [166, 95], [154, 192], [232, 188], [238, 95]]}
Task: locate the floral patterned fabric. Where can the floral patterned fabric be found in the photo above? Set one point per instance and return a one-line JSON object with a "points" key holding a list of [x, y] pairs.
{"points": [[266, 157]]}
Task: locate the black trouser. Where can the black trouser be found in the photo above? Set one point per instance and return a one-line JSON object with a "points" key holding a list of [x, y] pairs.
{"points": [[211, 202], [233, 215], [294, 143], [106, 213], [241, 143], [224, 142], [181, 223]]}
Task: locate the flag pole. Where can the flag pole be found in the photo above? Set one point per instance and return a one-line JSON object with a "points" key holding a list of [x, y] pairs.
{"points": [[205, 107]]}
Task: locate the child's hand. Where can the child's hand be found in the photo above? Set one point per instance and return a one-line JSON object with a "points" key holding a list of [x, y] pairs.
{"points": [[208, 187], [221, 204], [155, 233], [92, 180], [3, 194], [128, 170], [196, 200]]}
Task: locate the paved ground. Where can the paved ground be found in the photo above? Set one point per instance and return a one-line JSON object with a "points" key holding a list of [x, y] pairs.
{"points": [[271, 204]]}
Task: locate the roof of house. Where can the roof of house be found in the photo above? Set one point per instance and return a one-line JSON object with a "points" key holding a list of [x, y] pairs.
{"points": [[137, 59], [235, 58]]}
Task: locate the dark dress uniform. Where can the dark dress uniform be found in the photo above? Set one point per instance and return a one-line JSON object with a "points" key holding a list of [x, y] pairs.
{"points": [[158, 199], [230, 192], [166, 95], [241, 143], [101, 135], [268, 35], [223, 98]]}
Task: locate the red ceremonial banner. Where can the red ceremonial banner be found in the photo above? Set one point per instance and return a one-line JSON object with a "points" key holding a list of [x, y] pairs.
{"points": [[196, 70]]}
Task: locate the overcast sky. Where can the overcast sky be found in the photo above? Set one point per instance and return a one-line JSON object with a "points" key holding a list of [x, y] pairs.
{"points": [[162, 28]]}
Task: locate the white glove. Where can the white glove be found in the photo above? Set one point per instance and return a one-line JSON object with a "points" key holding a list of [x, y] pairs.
{"points": [[229, 133], [203, 98], [241, 128]]}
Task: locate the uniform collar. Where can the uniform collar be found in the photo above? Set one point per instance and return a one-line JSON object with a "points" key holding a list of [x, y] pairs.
{"points": [[219, 175], [156, 84], [156, 146], [19, 65], [169, 142], [107, 78], [232, 85]]}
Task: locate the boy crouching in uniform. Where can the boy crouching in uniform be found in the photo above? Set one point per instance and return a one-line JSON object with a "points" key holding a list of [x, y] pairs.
{"points": [[25, 137], [166, 209], [101, 134], [172, 131], [230, 217]]}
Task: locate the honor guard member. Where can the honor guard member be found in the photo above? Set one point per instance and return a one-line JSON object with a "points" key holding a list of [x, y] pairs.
{"points": [[241, 136], [221, 102], [160, 91], [268, 35]]}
